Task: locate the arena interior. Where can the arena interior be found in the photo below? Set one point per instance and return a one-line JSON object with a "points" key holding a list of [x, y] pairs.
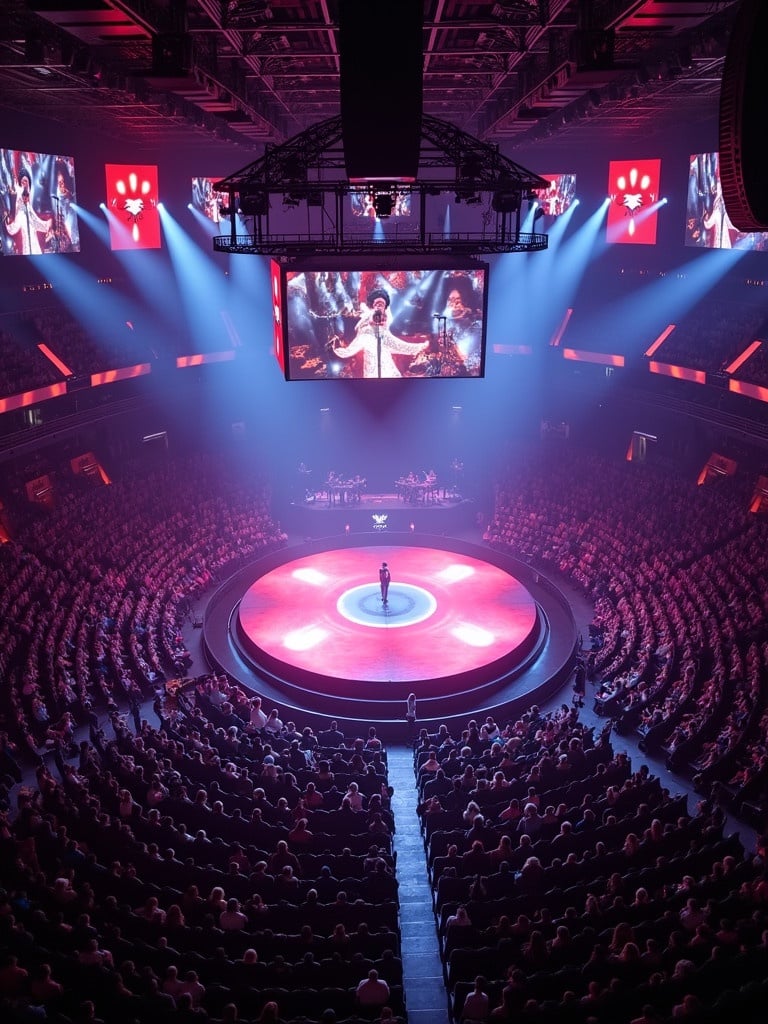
{"points": [[435, 697]]}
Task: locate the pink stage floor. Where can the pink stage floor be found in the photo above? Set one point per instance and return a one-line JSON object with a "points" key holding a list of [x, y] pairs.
{"points": [[321, 617]]}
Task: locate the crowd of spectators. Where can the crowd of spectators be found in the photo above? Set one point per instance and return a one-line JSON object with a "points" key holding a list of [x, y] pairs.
{"points": [[676, 573], [209, 868], [568, 886], [118, 345], [755, 369], [711, 335], [22, 366], [708, 337], [94, 593], [227, 864]]}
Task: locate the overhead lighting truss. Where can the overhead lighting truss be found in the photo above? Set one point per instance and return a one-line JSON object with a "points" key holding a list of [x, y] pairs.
{"points": [[307, 172]]}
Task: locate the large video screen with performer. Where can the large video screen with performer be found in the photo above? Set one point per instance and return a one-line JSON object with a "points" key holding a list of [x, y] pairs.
{"points": [[37, 192], [363, 203], [707, 224], [369, 324], [559, 195]]}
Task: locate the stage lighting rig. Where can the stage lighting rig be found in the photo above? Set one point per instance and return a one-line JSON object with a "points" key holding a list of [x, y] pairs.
{"points": [[311, 167], [470, 196], [506, 201]]}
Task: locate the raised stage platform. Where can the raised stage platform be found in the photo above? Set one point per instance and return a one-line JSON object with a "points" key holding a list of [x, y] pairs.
{"points": [[466, 629], [378, 512]]}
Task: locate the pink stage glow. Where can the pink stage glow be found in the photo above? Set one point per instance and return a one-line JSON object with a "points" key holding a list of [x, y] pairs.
{"points": [[473, 615]]}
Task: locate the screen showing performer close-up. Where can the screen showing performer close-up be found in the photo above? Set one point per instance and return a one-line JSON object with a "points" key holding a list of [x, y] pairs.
{"points": [[363, 324], [37, 204]]}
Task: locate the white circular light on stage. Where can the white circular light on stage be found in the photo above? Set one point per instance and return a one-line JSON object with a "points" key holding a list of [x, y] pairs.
{"points": [[406, 605]]}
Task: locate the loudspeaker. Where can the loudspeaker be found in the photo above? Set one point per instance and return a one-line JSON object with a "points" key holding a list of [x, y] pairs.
{"points": [[381, 81], [743, 99], [254, 204]]}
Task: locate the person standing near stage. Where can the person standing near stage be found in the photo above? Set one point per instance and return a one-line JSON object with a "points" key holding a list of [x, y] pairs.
{"points": [[410, 716], [384, 578]]}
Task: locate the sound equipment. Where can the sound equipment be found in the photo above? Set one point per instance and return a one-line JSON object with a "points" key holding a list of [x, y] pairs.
{"points": [[381, 81], [743, 100]]}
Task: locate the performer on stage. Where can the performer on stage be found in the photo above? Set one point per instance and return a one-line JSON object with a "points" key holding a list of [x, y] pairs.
{"points": [[384, 578], [26, 222], [376, 341]]}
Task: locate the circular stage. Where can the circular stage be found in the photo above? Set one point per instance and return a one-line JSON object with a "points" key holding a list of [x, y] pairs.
{"points": [[447, 616], [465, 628]]}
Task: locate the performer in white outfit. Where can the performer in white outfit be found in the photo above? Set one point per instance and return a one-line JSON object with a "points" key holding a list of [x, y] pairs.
{"points": [[26, 222]]}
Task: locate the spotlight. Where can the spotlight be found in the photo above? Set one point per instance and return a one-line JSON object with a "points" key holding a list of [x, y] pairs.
{"points": [[291, 200], [538, 214], [382, 204]]}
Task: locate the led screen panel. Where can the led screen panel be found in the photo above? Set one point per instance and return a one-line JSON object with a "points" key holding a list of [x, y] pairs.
{"points": [[633, 187], [38, 196], [208, 202], [132, 198], [558, 197], [362, 203], [707, 224], [369, 324], [276, 282]]}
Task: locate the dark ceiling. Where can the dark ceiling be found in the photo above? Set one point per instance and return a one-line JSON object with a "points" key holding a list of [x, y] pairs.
{"points": [[163, 72]]}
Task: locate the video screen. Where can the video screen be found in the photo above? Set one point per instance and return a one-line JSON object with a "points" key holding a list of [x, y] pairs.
{"points": [[276, 283], [633, 188], [38, 197], [368, 324], [206, 201], [707, 224], [558, 197], [132, 198], [363, 203]]}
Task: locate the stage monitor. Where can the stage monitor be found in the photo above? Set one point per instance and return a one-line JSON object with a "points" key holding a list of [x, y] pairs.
{"points": [[369, 324], [633, 188], [559, 196], [37, 192], [707, 224]]}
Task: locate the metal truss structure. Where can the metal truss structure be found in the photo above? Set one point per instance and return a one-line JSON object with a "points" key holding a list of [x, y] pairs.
{"points": [[307, 172]]}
